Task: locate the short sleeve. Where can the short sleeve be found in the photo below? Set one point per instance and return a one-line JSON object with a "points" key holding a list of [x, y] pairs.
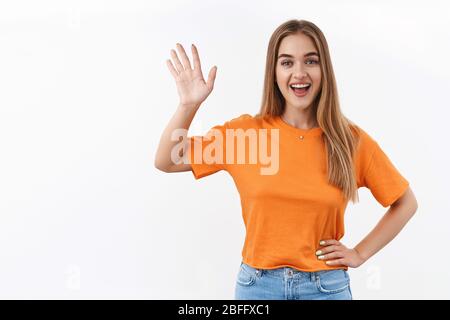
{"points": [[382, 178], [207, 153]]}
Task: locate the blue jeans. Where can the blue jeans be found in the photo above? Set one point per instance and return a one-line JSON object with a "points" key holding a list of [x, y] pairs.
{"points": [[291, 284]]}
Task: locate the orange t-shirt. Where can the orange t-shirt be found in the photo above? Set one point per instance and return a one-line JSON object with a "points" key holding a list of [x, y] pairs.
{"points": [[288, 212]]}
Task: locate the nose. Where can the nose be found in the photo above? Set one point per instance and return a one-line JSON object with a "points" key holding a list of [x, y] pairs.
{"points": [[299, 71]]}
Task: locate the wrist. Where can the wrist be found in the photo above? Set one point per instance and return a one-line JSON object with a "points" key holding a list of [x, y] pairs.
{"points": [[361, 255], [188, 107]]}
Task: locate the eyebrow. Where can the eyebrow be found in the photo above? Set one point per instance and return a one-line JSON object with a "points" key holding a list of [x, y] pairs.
{"points": [[306, 55]]}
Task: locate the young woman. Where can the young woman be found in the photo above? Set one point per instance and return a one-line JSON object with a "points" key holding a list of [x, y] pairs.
{"points": [[294, 212]]}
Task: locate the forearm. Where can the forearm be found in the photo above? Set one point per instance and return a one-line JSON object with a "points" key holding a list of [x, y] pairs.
{"points": [[181, 119], [387, 228]]}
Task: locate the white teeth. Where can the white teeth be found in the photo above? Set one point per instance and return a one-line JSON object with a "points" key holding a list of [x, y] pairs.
{"points": [[300, 85]]}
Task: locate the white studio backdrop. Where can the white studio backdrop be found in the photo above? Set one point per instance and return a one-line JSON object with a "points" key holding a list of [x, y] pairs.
{"points": [[85, 94]]}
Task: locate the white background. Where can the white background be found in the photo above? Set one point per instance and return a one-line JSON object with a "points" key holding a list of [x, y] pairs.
{"points": [[85, 94]]}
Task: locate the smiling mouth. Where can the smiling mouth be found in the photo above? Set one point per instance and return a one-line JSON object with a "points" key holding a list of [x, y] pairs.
{"points": [[300, 92]]}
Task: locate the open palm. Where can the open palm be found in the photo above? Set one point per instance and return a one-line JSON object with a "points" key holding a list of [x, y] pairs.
{"points": [[191, 86]]}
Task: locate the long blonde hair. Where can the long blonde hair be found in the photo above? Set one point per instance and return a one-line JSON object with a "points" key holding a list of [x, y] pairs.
{"points": [[340, 142]]}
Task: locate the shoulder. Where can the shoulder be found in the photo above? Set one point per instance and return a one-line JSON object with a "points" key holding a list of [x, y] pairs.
{"points": [[366, 143], [365, 148], [244, 121]]}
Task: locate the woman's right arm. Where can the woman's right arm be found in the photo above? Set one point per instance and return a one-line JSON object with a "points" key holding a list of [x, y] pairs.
{"points": [[182, 118], [192, 90]]}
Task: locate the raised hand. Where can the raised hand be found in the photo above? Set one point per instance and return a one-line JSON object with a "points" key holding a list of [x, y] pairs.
{"points": [[191, 86]]}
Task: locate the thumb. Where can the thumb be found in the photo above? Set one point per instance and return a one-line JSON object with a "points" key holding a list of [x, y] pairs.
{"points": [[211, 78]]}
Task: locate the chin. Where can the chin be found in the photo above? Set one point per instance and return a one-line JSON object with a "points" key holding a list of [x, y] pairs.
{"points": [[301, 105]]}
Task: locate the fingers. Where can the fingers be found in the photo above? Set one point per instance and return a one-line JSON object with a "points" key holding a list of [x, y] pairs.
{"points": [[328, 242], [211, 77], [336, 262], [328, 249], [179, 67], [332, 249], [173, 71], [333, 255], [196, 58], [184, 57]]}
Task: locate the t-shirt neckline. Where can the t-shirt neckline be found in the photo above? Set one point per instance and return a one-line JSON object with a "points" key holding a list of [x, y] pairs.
{"points": [[316, 131]]}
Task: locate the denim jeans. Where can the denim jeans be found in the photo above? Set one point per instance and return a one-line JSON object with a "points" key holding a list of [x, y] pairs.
{"points": [[291, 284]]}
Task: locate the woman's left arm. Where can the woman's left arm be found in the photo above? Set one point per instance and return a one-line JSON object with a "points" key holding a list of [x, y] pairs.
{"points": [[399, 213]]}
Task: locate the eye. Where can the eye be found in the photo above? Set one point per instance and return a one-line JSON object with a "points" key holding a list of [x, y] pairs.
{"points": [[309, 61]]}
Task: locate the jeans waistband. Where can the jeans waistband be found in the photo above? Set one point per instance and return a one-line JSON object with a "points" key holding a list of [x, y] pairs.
{"points": [[284, 272]]}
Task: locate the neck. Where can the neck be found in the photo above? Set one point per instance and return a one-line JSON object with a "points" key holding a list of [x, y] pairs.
{"points": [[302, 119]]}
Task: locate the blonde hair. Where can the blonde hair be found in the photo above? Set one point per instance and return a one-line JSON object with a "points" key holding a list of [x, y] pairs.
{"points": [[337, 135]]}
